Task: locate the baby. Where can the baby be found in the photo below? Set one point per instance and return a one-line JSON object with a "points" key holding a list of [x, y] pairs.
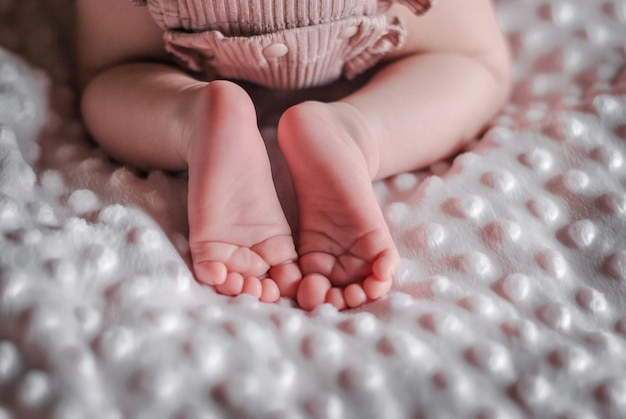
{"points": [[158, 94]]}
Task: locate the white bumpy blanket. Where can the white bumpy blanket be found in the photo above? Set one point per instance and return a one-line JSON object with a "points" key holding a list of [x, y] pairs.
{"points": [[510, 301]]}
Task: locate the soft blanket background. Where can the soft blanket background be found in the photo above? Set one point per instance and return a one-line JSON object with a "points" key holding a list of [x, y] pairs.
{"points": [[510, 300]]}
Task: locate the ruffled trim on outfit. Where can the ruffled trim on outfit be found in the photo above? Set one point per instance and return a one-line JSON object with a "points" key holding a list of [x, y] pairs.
{"points": [[418, 7], [313, 55], [314, 49], [392, 38]]}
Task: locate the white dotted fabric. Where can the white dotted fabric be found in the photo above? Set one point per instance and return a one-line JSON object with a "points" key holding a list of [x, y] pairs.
{"points": [[510, 301]]}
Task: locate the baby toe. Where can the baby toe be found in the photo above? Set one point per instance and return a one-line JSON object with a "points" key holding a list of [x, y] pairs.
{"points": [[375, 288], [252, 286], [334, 296], [287, 277], [386, 265], [354, 295], [211, 273], [270, 292], [233, 285], [312, 291]]}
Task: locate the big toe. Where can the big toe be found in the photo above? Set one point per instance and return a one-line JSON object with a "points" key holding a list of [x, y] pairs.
{"points": [[211, 273], [375, 288], [312, 291], [287, 277]]}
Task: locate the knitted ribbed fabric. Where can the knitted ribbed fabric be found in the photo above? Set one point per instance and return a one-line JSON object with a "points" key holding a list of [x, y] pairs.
{"points": [[282, 44]]}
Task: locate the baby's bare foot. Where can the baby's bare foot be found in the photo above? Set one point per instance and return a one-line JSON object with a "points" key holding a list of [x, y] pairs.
{"points": [[239, 237], [346, 251]]}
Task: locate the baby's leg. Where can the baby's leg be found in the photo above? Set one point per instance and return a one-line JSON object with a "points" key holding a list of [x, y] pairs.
{"points": [[155, 116], [439, 91]]}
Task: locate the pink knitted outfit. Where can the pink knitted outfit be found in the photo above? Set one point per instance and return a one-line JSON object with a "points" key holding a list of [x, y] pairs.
{"points": [[282, 44]]}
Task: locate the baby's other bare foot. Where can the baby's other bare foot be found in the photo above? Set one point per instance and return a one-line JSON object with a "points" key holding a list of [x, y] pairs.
{"points": [[239, 237], [346, 251]]}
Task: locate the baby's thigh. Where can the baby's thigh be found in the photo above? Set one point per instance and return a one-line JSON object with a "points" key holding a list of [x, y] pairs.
{"points": [[467, 27]]}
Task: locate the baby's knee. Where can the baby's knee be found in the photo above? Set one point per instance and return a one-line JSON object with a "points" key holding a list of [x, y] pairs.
{"points": [[499, 64]]}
